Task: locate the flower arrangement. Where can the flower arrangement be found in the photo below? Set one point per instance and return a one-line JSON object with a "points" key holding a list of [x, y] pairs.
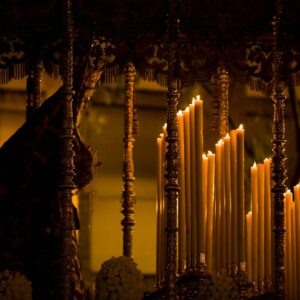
{"points": [[14, 286], [119, 279]]}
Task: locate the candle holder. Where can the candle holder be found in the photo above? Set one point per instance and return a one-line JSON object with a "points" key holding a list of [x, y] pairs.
{"points": [[192, 281], [242, 283]]}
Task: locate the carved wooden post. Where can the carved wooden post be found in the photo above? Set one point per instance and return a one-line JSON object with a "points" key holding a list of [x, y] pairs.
{"points": [[172, 155], [34, 82], [279, 148], [67, 164], [128, 165]]}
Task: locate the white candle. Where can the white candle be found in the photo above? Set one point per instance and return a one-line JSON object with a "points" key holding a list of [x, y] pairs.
{"points": [[261, 223], [200, 202], [187, 164], [181, 221], [210, 207], [195, 236], [226, 140], [249, 246], [218, 148], [254, 200], [240, 194], [297, 239]]}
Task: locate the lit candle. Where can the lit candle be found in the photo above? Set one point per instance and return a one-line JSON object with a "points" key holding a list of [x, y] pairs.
{"points": [[226, 140], [159, 209], [268, 229], [297, 239], [181, 221], [195, 236], [234, 243], [187, 165], [204, 203], [210, 208], [249, 246], [240, 195], [200, 202], [223, 213], [254, 199], [294, 253], [261, 223], [289, 253], [218, 148]]}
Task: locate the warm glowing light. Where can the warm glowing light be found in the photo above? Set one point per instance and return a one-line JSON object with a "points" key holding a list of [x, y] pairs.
{"points": [[227, 136], [179, 113], [204, 156], [209, 152], [161, 136], [198, 97], [241, 127], [249, 213], [220, 142], [254, 165], [193, 101], [187, 109]]}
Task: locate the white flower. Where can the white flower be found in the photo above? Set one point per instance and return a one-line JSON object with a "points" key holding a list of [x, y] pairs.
{"points": [[119, 279], [14, 286]]}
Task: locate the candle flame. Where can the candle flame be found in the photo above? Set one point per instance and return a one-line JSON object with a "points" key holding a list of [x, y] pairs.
{"points": [[193, 101], [254, 165], [179, 113], [220, 142], [249, 213], [241, 127], [204, 156], [187, 109], [227, 136], [198, 97], [161, 135], [209, 152]]}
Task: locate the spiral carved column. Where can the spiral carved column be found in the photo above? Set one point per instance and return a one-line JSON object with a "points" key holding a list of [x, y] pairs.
{"points": [[34, 82], [128, 195], [67, 163], [279, 157]]}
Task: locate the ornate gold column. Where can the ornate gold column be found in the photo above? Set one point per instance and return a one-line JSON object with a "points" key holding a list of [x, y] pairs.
{"points": [[128, 195], [67, 164], [279, 147]]}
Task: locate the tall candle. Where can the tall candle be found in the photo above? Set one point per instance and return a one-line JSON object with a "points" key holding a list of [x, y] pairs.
{"points": [[181, 223], [164, 204], [261, 223], [218, 148], [210, 208], [254, 199], [233, 175], [200, 203], [297, 224], [289, 273], [204, 203], [249, 246], [226, 140], [294, 253], [187, 169], [268, 229], [240, 195], [194, 213], [159, 210], [223, 212]]}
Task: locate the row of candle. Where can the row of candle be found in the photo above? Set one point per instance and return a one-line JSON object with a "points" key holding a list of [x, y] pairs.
{"points": [[259, 226], [211, 198], [292, 242]]}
